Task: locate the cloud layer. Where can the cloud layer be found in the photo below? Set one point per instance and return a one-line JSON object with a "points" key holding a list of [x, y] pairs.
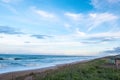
{"points": [[114, 51], [8, 30], [40, 36], [86, 27]]}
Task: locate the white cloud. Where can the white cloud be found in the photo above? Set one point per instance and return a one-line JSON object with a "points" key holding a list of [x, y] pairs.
{"points": [[97, 35], [6, 1], [96, 3], [106, 5], [92, 20], [10, 8], [67, 26], [103, 16], [64, 44], [113, 1], [43, 14], [79, 33], [97, 19], [15, 44], [73, 16], [93, 15], [106, 34], [10, 1]]}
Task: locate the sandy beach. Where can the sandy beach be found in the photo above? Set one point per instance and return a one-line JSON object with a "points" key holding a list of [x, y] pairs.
{"points": [[13, 75]]}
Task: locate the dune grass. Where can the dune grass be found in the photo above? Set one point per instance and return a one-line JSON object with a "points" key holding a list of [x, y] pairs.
{"points": [[92, 70]]}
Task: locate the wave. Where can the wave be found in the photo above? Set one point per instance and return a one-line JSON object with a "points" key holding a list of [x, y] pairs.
{"points": [[17, 58], [10, 58]]}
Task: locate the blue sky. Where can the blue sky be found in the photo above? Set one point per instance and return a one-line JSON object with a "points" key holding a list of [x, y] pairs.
{"points": [[60, 27]]}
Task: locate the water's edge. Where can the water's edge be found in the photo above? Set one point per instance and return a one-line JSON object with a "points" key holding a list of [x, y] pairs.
{"points": [[12, 63]]}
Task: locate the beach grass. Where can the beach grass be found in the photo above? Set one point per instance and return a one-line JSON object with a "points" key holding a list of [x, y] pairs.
{"points": [[97, 69]]}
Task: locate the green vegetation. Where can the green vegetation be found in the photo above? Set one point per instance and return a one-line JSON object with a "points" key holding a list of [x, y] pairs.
{"points": [[98, 69]]}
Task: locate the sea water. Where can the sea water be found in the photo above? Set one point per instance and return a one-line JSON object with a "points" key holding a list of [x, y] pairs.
{"points": [[15, 62]]}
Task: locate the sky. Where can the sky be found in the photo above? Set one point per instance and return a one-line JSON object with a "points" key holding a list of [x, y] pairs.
{"points": [[60, 27]]}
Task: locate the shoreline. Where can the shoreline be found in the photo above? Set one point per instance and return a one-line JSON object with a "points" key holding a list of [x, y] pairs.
{"points": [[14, 74]]}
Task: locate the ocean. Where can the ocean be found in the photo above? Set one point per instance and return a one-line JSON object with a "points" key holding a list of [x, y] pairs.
{"points": [[15, 62]]}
